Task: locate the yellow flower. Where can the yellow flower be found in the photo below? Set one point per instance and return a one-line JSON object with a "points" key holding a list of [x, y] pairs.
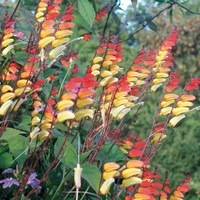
{"points": [[165, 111], [131, 181], [84, 113], [61, 105], [184, 103], [84, 102], [7, 96], [35, 121], [97, 60], [157, 137], [169, 97], [180, 110], [111, 174], [106, 186], [110, 166], [134, 163], [166, 103], [45, 41], [107, 63], [5, 106], [175, 120], [131, 172], [6, 88], [65, 115]]}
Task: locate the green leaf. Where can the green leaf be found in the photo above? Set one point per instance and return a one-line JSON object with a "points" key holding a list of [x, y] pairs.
{"points": [[83, 156], [92, 175], [79, 20], [17, 144], [68, 155], [20, 57], [116, 19], [86, 10], [4, 147], [10, 133], [110, 153], [25, 124], [6, 160], [152, 26]]}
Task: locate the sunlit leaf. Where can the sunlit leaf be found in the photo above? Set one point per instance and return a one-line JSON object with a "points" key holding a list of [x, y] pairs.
{"points": [[92, 175]]}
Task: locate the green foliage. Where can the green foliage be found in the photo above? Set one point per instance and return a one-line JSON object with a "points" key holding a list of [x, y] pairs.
{"points": [[54, 155]]}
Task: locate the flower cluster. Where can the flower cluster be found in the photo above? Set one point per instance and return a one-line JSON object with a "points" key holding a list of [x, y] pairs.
{"points": [[164, 60], [8, 35], [54, 30]]}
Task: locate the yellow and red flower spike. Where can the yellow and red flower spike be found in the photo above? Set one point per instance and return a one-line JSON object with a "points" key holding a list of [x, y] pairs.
{"points": [[63, 31], [7, 35], [164, 60], [178, 193], [41, 10]]}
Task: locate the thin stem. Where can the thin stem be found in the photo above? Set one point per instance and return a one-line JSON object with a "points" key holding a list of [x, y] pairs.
{"points": [[61, 184], [144, 25], [192, 12], [108, 16]]}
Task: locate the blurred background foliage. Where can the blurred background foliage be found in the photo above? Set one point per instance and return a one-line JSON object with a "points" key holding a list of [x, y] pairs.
{"points": [[180, 152]]}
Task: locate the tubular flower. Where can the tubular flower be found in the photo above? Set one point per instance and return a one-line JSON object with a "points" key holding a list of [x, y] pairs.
{"points": [[65, 115], [5, 107], [77, 176], [131, 181], [157, 137], [111, 174], [110, 171], [134, 163], [164, 61], [111, 166], [127, 173], [106, 186], [174, 120]]}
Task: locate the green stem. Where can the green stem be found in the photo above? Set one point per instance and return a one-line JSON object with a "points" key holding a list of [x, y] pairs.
{"points": [[61, 184]]}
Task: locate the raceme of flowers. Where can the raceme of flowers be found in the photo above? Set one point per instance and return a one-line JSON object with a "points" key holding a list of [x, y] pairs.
{"points": [[103, 94]]}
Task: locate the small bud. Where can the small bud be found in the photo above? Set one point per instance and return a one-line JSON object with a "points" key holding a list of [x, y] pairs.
{"points": [[77, 176]]}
